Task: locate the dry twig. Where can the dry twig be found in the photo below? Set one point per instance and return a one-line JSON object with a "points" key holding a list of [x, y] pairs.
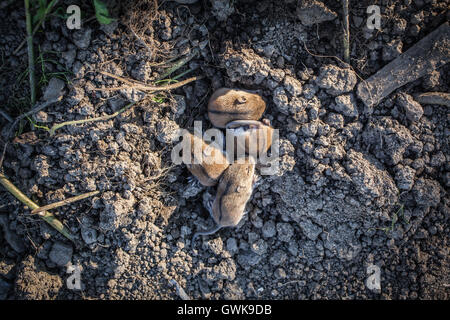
{"points": [[142, 86], [102, 118], [346, 32], [65, 201]]}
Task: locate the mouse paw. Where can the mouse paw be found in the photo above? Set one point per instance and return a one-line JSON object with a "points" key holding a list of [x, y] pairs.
{"points": [[193, 181], [208, 204], [208, 199]]}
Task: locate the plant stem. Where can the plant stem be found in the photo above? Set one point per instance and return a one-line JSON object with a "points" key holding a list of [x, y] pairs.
{"points": [[65, 201], [30, 52], [179, 64], [102, 118], [38, 25], [144, 87], [46, 216]]}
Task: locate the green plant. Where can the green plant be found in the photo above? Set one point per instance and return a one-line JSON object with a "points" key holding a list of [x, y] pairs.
{"points": [[102, 13], [43, 9], [45, 58], [46, 216], [399, 213], [45, 75], [159, 98], [34, 123]]}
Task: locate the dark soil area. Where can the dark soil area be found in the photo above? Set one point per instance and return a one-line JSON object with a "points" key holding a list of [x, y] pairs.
{"points": [[360, 189]]}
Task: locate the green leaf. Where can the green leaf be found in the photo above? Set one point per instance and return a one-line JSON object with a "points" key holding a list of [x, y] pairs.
{"points": [[40, 12], [101, 12]]}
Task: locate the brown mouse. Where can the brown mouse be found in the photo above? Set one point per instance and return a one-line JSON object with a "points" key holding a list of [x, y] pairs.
{"points": [[233, 192], [206, 169], [254, 137], [226, 105]]}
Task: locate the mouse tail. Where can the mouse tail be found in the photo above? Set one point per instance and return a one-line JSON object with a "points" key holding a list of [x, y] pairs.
{"points": [[205, 233]]}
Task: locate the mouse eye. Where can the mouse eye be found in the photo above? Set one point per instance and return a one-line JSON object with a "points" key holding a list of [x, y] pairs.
{"points": [[241, 100]]}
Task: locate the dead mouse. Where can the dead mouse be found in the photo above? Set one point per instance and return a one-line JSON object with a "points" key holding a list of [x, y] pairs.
{"points": [[208, 170], [252, 136], [233, 192], [226, 105]]}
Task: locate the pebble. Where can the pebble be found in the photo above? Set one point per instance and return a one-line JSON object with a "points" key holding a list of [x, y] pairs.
{"points": [[61, 253]]}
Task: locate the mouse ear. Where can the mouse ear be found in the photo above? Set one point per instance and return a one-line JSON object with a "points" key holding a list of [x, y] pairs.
{"points": [[241, 100]]}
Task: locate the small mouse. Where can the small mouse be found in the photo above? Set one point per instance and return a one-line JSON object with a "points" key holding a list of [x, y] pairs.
{"points": [[208, 170], [252, 136], [233, 192], [226, 105]]}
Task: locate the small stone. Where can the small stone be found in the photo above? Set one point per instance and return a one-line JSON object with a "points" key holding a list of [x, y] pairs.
{"points": [[216, 246], [413, 109], [335, 120], [259, 247], [310, 129], [310, 230], [53, 90], [335, 80], [278, 258], [293, 86], [311, 12], [167, 131], [293, 248], [179, 107], [280, 273], [222, 9], [89, 235], [405, 177], [281, 100], [75, 96], [438, 159], [61, 253], [82, 38], [268, 229], [426, 192], [232, 246], [285, 232], [248, 260], [346, 105], [280, 62], [269, 50], [69, 57]]}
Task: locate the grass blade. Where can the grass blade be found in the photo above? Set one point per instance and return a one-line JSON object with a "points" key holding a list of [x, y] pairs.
{"points": [[46, 216]]}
